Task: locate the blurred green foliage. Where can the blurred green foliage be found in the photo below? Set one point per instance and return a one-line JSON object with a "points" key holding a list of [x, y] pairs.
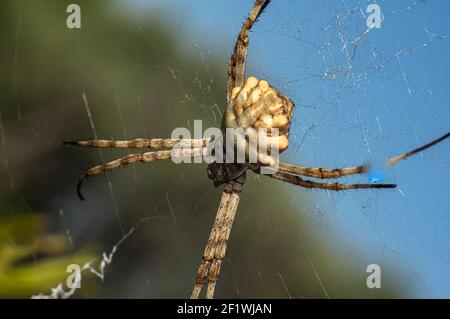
{"points": [[32, 261]]}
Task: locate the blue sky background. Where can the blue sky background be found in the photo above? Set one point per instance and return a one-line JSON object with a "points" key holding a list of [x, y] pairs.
{"points": [[395, 97]]}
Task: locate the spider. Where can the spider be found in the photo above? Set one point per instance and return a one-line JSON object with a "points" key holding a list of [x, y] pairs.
{"points": [[252, 103]]}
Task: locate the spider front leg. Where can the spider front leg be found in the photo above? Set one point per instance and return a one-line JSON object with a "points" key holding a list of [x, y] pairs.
{"points": [[325, 173], [236, 65], [152, 143], [319, 172], [218, 239], [208, 254], [298, 181], [147, 157]]}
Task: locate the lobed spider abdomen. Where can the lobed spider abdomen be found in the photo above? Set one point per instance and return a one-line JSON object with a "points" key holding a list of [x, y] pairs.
{"points": [[264, 114]]}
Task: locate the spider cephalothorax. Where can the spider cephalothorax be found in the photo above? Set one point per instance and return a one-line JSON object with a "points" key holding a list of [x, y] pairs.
{"points": [[222, 173]]}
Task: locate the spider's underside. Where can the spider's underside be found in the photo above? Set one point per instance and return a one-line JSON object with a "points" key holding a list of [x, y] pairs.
{"points": [[252, 104]]}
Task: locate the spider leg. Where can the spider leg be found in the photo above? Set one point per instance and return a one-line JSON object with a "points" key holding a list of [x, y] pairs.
{"points": [[324, 173], [318, 172], [208, 254], [222, 243], [218, 239], [154, 143], [298, 181], [236, 65], [394, 160], [147, 157]]}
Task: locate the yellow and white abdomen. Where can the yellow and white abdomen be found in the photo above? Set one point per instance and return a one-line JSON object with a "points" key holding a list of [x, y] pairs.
{"points": [[254, 106]]}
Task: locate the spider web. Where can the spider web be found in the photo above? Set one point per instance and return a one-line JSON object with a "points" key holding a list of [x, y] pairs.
{"points": [[361, 96]]}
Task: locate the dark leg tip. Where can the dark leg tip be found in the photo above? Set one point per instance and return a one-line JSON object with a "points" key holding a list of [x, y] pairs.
{"points": [[80, 195], [74, 143]]}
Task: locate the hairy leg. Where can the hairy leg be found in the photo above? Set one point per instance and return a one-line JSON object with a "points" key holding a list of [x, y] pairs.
{"points": [[297, 180], [147, 157], [324, 173], [153, 143], [218, 239], [236, 65]]}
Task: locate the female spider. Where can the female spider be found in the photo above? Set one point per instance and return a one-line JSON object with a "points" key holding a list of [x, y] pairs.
{"points": [[252, 104]]}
